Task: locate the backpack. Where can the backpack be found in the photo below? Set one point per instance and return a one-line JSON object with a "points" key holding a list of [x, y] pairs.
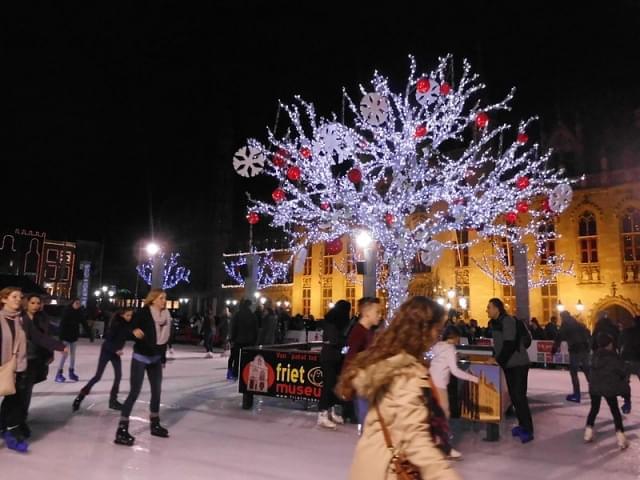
{"points": [[523, 335]]}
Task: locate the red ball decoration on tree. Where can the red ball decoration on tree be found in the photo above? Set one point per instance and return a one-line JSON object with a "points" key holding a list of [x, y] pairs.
{"points": [[355, 175], [423, 85], [294, 173], [522, 206], [522, 183], [445, 88], [325, 205], [280, 158], [522, 138], [389, 219], [333, 247], [511, 217], [482, 120], [253, 218], [305, 152], [278, 195], [421, 131]]}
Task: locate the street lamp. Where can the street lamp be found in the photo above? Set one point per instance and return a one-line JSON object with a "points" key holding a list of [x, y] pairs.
{"points": [[263, 300], [451, 293], [97, 293], [440, 301], [111, 293], [363, 239], [152, 249], [448, 306], [234, 302], [278, 304], [256, 295], [462, 301], [580, 306], [560, 306], [105, 288], [331, 305]]}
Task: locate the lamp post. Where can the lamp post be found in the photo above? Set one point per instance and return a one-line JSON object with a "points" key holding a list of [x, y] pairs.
{"points": [[157, 272], [560, 306], [579, 307]]}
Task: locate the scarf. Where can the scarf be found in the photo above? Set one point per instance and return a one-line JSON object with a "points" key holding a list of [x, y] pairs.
{"points": [[7, 345], [162, 322]]}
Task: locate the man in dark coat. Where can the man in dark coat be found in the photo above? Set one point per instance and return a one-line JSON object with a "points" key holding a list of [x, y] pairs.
{"points": [[578, 339], [630, 353], [244, 333]]}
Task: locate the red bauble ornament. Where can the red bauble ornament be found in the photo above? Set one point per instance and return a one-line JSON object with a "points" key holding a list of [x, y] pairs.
{"points": [[421, 131], [522, 183], [511, 217], [333, 247], [305, 152], [325, 205], [388, 219], [278, 195], [482, 120], [445, 88], [280, 158], [522, 206], [253, 218], [354, 175], [459, 201], [423, 85], [294, 173], [522, 138]]}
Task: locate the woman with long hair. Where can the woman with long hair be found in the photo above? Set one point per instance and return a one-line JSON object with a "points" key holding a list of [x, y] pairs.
{"points": [[151, 329], [13, 343], [73, 316], [393, 376], [111, 351], [40, 348]]}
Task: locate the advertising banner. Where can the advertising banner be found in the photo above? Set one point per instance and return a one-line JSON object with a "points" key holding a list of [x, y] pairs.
{"points": [[540, 352], [294, 374], [486, 400]]}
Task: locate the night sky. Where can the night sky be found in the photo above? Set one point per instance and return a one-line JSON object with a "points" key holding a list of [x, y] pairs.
{"points": [[122, 114]]}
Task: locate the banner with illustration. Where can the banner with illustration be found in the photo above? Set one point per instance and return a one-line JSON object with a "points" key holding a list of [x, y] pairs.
{"points": [[293, 374], [486, 400]]}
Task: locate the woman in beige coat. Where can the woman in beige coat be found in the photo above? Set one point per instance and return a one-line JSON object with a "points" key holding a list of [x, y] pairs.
{"points": [[392, 374]]}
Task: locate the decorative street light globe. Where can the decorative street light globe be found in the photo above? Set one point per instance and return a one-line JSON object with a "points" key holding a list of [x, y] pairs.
{"points": [[451, 293], [363, 239], [152, 249], [560, 306], [97, 293], [580, 306]]}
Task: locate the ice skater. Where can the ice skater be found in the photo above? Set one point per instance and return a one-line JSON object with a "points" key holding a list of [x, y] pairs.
{"points": [[72, 318], [118, 333], [609, 380]]}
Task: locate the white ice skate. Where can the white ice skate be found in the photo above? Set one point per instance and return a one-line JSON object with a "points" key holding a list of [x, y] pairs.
{"points": [[622, 440], [455, 454], [335, 418], [588, 434], [324, 421]]}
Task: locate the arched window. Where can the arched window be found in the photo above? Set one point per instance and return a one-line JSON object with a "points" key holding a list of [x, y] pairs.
{"points": [[588, 238], [631, 235]]}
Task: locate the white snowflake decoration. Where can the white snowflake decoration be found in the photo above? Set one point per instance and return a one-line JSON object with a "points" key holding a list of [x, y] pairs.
{"points": [[374, 108], [334, 139], [248, 161], [430, 96], [560, 198]]}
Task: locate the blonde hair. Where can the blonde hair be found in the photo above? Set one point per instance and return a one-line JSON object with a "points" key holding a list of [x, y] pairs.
{"points": [[153, 294]]}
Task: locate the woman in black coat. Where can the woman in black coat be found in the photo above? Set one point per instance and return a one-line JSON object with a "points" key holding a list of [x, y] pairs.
{"points": [[334, 337], [151, 329], [40, 348], [72, 318], [609, 380], [118, 333]]}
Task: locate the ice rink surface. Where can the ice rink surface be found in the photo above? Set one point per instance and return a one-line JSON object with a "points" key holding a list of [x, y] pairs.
{"points": [[213, 438]]}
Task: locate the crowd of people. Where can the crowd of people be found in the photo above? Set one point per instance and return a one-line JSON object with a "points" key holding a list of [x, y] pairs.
{"points": [[398, 392]]}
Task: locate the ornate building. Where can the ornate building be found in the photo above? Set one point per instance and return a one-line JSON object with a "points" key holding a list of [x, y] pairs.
{"points": [[599, 241]]}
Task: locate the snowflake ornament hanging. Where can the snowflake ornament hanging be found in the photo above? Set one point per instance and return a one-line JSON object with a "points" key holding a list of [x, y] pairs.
{"points": [[560, 198], [248, 161], [335, 140], [427, 91], [374, 108]]}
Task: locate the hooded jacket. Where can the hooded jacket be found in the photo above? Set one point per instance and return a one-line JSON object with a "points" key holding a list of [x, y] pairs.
{"points": [[397, 385]]}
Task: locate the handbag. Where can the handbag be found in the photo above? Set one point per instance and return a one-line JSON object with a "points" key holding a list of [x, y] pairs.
{"points": [[8, 373], [401, 466]]}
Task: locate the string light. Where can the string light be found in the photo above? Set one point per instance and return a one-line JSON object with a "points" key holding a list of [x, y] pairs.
{"points": [[173, 273], [270, 271], [412, 166]]}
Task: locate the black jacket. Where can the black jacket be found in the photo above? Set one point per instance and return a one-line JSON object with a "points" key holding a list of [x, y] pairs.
{"points": [[630, 344], [551, 331], [608, 375], [118, 333], [148, 345], [605, 325], [575, 334], [70, 325], [244, 327], [39, 344], [336, 323]]}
